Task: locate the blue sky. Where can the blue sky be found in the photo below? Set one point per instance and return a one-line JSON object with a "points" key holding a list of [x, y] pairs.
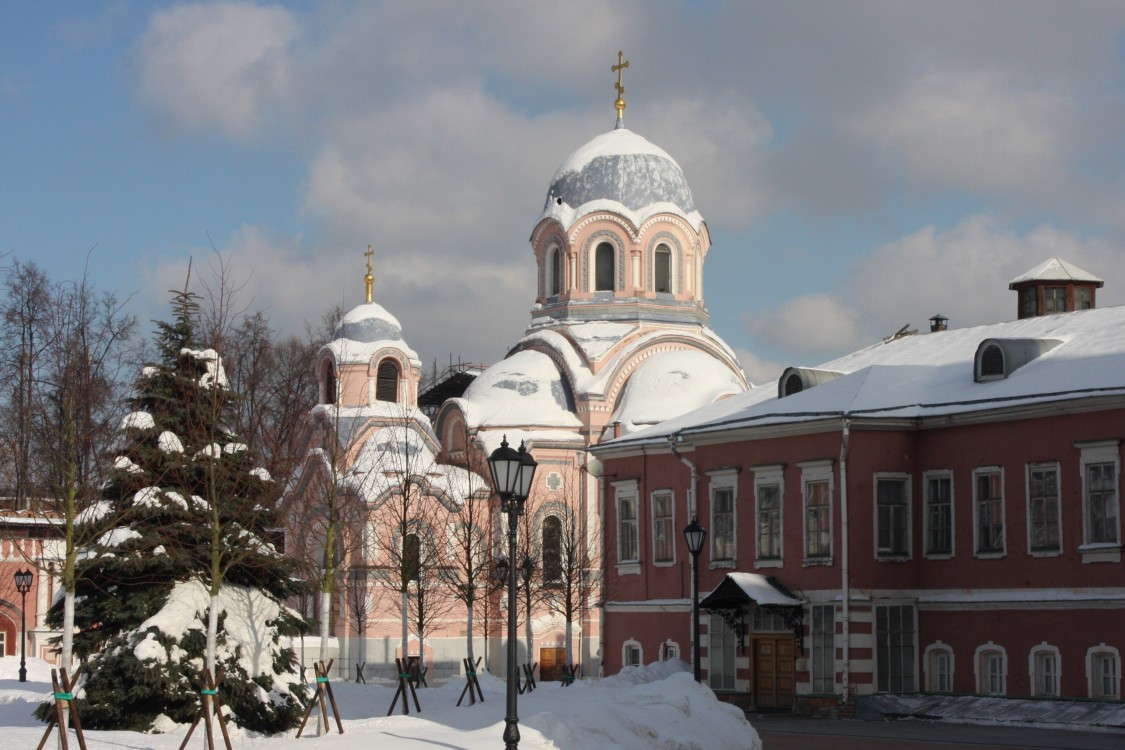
{"points": [[860, 165]]}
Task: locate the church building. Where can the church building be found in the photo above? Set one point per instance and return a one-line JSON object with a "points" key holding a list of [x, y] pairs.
{"points": [[618, 341]]}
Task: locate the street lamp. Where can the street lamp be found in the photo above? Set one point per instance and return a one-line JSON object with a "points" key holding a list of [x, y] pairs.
{"points": [[694, 534], [512, 472], [23, 585]]}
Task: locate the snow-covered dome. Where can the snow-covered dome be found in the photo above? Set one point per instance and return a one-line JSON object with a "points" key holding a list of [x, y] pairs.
{"points": [[368, 323], [622, 172], [672, 383]]}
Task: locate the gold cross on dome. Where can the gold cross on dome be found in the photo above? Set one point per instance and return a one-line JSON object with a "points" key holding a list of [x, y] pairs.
{"points": [[620, 66], [369, 280]]}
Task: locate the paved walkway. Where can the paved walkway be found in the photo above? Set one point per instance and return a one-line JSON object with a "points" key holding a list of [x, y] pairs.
{"points": [[793, 733]]}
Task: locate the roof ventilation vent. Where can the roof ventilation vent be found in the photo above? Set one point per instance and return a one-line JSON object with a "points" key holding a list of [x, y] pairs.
{"points": [[797, 379], [996, 359]]}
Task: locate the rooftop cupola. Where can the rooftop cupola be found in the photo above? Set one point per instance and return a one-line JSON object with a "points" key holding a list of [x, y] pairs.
{"points": [[1055, 286]]}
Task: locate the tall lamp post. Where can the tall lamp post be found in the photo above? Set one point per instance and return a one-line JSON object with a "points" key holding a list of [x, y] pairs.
{"points": [[694, 534], [23, 585], [512, 472]]}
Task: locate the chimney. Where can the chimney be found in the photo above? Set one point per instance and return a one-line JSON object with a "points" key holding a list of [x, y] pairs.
{"points": [[938, 323]]}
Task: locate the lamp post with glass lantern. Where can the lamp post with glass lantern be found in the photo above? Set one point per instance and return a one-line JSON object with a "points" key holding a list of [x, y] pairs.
{"points": [[23, 585], [512, 472], [694, 534]]}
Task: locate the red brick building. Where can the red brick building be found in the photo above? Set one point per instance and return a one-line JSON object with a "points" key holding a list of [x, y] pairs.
{"points": [[938, 512]]}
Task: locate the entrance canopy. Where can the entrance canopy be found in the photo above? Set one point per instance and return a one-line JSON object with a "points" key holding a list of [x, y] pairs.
{"points": [[740, 589]]}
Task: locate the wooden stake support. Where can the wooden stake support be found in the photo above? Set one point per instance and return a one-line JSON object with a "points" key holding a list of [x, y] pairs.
{"points": [[209, 705], [471, 683], [404, 684], [323, 690], [359, 673], [529, 675], [571, 672], [64, 701]]}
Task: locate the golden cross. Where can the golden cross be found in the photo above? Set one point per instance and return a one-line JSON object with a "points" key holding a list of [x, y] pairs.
{"points": [[369, 280], [617, 69]]}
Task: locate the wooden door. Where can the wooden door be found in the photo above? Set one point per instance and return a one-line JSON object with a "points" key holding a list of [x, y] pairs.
{"points": [[552, 662], [773, 672]]}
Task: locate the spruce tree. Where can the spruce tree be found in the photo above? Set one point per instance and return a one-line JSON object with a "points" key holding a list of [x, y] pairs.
{"points": [[182, 531]]}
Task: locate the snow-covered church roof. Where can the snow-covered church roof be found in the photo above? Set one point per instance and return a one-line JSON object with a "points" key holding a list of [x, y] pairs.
{"points": [[1055, 269], [620, 171], [364, 330]]}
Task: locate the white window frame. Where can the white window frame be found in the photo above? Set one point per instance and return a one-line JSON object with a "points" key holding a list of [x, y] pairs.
{"points": [[933, 650], [1044, 466], [926, 525], [722, 655], [983, 678], [1100, 452], [899, 605], [723, 479], [769, 476], [671, 495], [816, 650], [670, 650], [631, 645], [817, 471], [1094, 654], [989, 554], [904, 479], [628, 491], [1035, 659]]}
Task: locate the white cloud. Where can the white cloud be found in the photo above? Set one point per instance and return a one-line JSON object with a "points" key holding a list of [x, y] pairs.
{"points": [[975, 129], [812, 323], [961, 272], [217, 65], [758, 369]]}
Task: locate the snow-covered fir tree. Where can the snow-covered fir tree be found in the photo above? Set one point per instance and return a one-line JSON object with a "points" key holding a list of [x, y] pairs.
{"points": [[183, 575]]}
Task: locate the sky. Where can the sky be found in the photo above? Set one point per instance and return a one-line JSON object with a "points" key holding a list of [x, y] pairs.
{"points": [[861, 165]]}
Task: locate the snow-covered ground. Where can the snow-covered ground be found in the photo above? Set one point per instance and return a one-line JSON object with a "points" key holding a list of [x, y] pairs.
{"points": [[657, 707]]}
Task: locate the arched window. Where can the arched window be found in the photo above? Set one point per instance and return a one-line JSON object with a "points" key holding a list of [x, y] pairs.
{"points": [[991, 669], [411, 557], [554, 272], [329, 383], [1044, 665], [1103, 672], [552, 550], [604, 270], [939, 668], [386, 381], [662, 269]]}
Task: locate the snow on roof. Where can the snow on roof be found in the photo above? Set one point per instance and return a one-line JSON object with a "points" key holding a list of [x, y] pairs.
{"points": [[1055, 269], [364, 330], [931, 375], [525, 388], [622, 172], [671, 383], [759, 588], [396, 453]]}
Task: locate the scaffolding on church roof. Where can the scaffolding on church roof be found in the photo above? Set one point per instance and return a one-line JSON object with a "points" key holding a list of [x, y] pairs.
{"points": [[442, 385]]}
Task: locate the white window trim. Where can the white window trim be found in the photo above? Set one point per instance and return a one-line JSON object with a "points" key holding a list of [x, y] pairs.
{"points": [[1099, 452], [906, 481], [1058, 506], [721, 479], [813, 471], [625, 650], [1102, 650], [621, 490], [926, 676], [670, 649], [652, 526], [773, 474], [982, 679], [1033, 672], [979, 471], [926, 477]]}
